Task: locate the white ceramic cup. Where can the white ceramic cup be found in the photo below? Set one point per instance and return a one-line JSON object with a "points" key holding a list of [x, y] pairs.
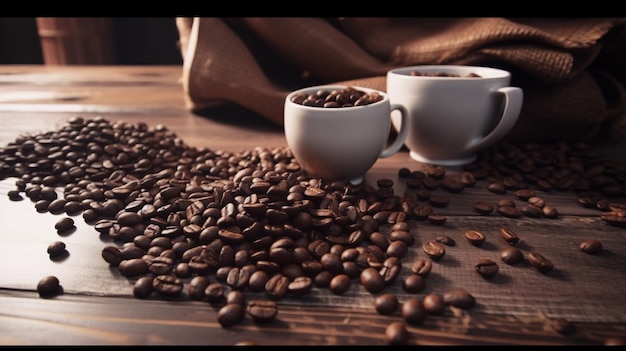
{"points": [[341, 143], [452, 118]]}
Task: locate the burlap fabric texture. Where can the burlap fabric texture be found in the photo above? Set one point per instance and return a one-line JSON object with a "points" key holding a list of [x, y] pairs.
{"points": [[572, 70]]}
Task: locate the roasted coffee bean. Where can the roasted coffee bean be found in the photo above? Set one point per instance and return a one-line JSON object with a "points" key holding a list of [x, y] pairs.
{"points": [[160, 265], [511, 255], [497, 188], [56, 249], [524, 194], [397, 333], [437, 219], [386, 303], [460, 298], [142, 288], [371, 280], [168, 285], [536, 202], [322, 279], [483, 208], [197, 286], [64, 224], [277, 286], [422, 266], [444, 239], [413, 311], [475, 237], [509, 235], [397, 248], [339, 284], [214, 293], [133, 267], [591, 246], [262, 310], [550, 212], [531, 211], [434, 250], [540, 262], [422, 212], [48, 286], [230, 315], [112, 255], [402, 235], [300, 285], [347, 97], [614, 218], [486, 268], [509, 211], [434, 304], [236, 296], [414, 283]]}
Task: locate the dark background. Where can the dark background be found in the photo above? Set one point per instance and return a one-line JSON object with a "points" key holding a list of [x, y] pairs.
{"points": [[137, 40]]}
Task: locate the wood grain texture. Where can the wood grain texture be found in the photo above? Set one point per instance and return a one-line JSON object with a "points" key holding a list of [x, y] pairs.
{"points": [[97, 307]]}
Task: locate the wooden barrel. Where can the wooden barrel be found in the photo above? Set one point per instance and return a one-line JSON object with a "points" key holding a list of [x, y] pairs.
{"points": [[76, 40]]}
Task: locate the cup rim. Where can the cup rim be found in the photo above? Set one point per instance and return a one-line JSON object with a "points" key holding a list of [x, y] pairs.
{"points": [[334, 87], [489, 72]]}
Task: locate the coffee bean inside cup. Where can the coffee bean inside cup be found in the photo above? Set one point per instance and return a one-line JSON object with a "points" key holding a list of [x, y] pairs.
{"points": [[347, 97]]}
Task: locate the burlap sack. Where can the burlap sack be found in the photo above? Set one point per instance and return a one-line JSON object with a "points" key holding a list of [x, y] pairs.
{"points": [[572, 71]]}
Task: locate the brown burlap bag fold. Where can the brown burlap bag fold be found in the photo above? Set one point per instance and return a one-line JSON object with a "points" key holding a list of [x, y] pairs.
{"points": [[572, 71]]}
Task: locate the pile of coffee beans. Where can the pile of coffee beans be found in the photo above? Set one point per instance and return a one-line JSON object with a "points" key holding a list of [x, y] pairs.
{"points": [[347, 97], [214, 224], [443, 74]]}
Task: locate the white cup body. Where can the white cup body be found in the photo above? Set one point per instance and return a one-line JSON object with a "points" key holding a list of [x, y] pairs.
{"points": [[338, 143], [452, 118]]}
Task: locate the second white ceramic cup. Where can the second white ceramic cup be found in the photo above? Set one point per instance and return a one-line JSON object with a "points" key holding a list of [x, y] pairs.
{"points": [[342, 143], [452, 115]]}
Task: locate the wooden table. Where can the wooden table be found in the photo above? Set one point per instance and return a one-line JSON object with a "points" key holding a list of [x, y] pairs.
{"points": [[98, 307]]}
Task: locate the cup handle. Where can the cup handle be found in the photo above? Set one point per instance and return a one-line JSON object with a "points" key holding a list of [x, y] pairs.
{"points": [[402, 133], [513, 97]]}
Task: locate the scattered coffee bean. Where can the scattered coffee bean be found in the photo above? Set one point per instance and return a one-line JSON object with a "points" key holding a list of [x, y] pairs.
{"points": [[486, 268], [262, 310], [458, 297], [422, 266], [434, 304], [509, 235], [48, 286], [437, 219], [540, 262], [434, 250], [413, 311], [511, 256], [396, 333], [230, 315], [56, 249], [591, 246], [483, 208], [414, 283], [142, 288], [167, 285], [550, 212], [340, 284], [475, 237], [386, 303], [614, 218], [64, 224]]}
